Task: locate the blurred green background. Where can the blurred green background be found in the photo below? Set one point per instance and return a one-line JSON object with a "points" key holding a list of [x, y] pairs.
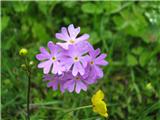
{"points": [[129, 32]]}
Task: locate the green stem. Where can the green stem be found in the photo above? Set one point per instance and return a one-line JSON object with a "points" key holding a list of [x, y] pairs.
{"points": [[28, 96], [78, 108], [29, 87], [61, 109], [135, 86]]}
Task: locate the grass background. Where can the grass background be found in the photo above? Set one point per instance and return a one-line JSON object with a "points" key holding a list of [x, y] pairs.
{"points": [[129, 32]]}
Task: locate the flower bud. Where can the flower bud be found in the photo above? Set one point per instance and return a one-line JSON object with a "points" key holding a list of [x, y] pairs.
{"points": [[23, 52], [23, 66], [31, 63], [149, 86]]}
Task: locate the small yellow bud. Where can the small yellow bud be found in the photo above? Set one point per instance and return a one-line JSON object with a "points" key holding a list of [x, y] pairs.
{"points": [[23, 52], [31, 63]]}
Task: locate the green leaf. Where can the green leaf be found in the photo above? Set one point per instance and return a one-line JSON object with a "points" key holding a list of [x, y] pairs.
{"points": [[92, 8], [39, 32], [120, 24], [132, 21], [131, 60], [70, 4], [112, 6], [94, 38], [20, 6], [45, 7], [144, 58], [137, 51], [4, 22]]}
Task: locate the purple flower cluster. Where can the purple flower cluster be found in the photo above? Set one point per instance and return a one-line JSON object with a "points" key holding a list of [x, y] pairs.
{"points": [[73, 64]]}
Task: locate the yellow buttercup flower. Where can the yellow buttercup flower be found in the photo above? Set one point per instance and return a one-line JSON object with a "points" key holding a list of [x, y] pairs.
{"points": [[99, 106]]}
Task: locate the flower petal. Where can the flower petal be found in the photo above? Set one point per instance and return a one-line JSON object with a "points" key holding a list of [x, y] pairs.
{"points": [[63, 45], [68, 63], [80, 85], [83, 47], [80, 68], [75, 70], [99, 71], [85, 60], [44, 51], [101, 57], [53, 84], [73, 31], [52, 47], [57, 68], [93, 53], [69, 85], [48, 77], [101, 108], [42, 56], [98, 96], [65, 33], [101, 62], [46, 66], [82, 38], [61, 36]]}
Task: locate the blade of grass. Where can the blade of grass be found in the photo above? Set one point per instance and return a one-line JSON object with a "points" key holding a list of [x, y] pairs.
{"points": [[149, 110], [135, 86]]}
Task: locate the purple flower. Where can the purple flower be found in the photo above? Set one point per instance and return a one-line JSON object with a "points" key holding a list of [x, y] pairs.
{"points": [[70, 36], [76, 83], [55, 81], [96, 60], [48, 59], [79, 82], [74, 64], [75, 57]]}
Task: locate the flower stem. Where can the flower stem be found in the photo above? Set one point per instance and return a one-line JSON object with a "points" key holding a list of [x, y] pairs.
{"points": [[28, 70], [28, 96], [78, 108]]}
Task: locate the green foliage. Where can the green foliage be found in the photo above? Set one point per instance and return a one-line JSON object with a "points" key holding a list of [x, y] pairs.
{"points": [[129, 32], [5, 21], [132, 61], [92, 8]]}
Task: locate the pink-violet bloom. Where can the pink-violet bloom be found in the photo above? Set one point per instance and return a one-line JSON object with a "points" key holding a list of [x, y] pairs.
{"points": [[70, 36], [55, 81], [76, 83], [50, 61], [97, 60], [74, 58], [72, 65], [79, 82]]}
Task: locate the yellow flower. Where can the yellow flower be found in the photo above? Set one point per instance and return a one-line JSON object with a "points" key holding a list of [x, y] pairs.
{"points": [[99, 106], [23, 52]]}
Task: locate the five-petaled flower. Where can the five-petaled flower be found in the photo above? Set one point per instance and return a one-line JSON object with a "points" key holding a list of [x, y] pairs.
{"points": [[55, 81], [97, 60], [48, 59], [99, 106], [70, 36], [75, 58]]}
